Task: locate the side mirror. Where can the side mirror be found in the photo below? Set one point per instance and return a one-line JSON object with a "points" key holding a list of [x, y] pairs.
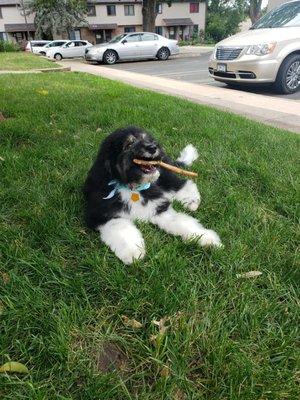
{"points": [[124, 41]]}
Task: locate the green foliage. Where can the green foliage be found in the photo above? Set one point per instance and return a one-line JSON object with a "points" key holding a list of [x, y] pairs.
{"points": [[6, 46], [57, 17], [224, 17]]}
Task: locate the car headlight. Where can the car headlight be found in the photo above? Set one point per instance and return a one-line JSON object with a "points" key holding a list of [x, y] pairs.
{"points": [[261, 49]]}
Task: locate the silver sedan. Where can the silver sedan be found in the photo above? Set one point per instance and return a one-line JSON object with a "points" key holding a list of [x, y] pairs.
{"points": [[133, 46]]}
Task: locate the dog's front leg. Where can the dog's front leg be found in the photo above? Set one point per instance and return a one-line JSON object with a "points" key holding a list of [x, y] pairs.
{"points": [[124, 239], [189, 196], [187, 227]]}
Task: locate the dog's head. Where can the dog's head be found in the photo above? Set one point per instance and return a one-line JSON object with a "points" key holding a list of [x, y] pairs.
{"points": [[122, 146]]}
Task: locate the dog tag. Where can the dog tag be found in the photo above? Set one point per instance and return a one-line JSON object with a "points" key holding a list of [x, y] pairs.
{"points": [[135, 196]]}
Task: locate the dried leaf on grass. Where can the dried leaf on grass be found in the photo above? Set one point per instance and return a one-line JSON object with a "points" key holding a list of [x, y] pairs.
{"points": [[250, 274], [132, 323], [2, 118], [165, 372], [162, 327], [43, 92], [5, 278], [13, 366]]}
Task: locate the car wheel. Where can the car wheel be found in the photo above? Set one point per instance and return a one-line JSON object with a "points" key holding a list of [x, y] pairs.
{"points": [[163, 54], [58, 57], [42, 53], [288, 77], [110, 57]]}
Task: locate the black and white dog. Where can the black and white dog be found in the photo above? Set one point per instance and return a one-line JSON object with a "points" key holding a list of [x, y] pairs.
{"points": [[117, 192]]}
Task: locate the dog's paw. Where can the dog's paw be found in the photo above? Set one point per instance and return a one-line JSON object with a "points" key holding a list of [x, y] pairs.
{"points": [[191, 204], [210, 239], [189, 196], [132, 253]]}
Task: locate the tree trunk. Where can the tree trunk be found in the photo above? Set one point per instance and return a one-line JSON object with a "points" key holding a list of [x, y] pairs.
{"points": [[149, 15], [255, 10]]}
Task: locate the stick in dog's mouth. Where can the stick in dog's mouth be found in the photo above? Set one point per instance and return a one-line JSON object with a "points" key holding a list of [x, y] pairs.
{"points": [[148, 165]]}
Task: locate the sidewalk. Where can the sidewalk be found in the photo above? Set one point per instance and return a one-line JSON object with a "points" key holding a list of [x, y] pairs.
{"points": [[277, 112], [193, 51]]}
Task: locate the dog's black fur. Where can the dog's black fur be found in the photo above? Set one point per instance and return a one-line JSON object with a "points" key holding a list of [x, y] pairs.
{"points": [[115, 162]]}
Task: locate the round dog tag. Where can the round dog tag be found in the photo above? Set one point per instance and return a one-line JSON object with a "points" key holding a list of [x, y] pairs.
{"points": [[135, 196]]}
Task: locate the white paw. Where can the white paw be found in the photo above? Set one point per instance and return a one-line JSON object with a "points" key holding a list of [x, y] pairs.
{"points": [[188, 155], [210, 239], [129, 254], [191, 204], [189, 196]]}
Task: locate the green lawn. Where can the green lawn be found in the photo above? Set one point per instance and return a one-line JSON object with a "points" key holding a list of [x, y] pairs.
{"points": [[63, 293], [21, 61]]}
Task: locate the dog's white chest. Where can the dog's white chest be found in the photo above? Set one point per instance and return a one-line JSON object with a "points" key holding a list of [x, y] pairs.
{"points": [[138, 209]]}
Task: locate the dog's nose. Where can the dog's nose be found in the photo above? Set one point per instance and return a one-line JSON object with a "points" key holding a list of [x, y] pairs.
{"points": [[151, 148]]}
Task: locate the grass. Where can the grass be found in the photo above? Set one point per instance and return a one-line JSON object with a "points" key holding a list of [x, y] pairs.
{"points": [[63, 293], [21, 61]]}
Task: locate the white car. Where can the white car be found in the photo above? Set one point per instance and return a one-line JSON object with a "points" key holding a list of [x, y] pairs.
{"points": [[36, 45], [73, 48], [51, 45], [133, 46]]}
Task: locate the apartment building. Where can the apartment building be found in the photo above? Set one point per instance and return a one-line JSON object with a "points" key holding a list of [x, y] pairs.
{"points": [[182, 19]]}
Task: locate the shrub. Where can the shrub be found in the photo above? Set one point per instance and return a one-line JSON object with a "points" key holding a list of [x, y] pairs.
{"points": [[6, 46]]}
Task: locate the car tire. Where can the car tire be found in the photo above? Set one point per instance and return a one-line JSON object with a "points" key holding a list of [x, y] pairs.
{"points": [[163, 54], [288, 76], [42, 53], [58, 56], [110, 57]]}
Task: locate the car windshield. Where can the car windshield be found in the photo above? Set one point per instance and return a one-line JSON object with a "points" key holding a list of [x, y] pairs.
{"points": [[117, 38], [288, 15]]}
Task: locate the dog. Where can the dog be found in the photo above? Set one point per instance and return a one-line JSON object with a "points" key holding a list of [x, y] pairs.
{"points": [[117, 192]]}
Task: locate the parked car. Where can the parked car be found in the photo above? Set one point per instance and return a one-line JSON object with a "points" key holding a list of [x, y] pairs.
{"points": [[268, 53], [51, 45], [73, 48], [36, 45], [132, 46]]}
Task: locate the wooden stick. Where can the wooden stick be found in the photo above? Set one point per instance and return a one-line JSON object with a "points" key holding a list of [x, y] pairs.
{"points": [[169, 167]]}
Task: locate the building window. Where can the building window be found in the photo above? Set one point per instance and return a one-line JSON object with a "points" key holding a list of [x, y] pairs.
{"points": [[159, 30], [194, 7], [129, 10], [159, 8], [91, 11], [75, 35], [3, 36], [129, 29], [111, 9], [1, 16]]}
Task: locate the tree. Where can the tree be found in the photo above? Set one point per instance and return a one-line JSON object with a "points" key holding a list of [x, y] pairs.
{"points": [[149, 15], [255, 10], [55, 18], [224, 18]]}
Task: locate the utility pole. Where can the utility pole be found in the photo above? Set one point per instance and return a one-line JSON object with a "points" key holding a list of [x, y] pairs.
{"points": [[26, 22]]}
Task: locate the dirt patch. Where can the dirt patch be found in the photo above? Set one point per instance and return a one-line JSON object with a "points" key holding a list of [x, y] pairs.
{"points": [[110, 358]]}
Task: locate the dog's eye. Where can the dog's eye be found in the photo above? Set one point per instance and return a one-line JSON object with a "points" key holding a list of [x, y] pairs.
{"points": [[129, 142]]}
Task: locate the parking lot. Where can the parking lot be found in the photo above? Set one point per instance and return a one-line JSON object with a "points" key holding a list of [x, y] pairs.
{"points": [[189, 69]]}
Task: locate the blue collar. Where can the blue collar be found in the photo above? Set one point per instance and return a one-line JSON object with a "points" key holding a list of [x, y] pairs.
{"points": [[118, 186]]}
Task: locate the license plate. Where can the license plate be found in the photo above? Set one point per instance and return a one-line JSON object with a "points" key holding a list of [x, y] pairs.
{"points": [[222, 67]]}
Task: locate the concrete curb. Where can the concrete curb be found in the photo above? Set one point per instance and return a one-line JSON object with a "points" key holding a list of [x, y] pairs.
{"points": [[277, 112]]}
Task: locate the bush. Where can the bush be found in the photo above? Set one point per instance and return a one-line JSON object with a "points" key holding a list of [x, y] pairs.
{"points": [[6, 46]]}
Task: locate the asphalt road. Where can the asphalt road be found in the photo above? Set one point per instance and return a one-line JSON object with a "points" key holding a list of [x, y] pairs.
{"points": [[190, 69]]}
